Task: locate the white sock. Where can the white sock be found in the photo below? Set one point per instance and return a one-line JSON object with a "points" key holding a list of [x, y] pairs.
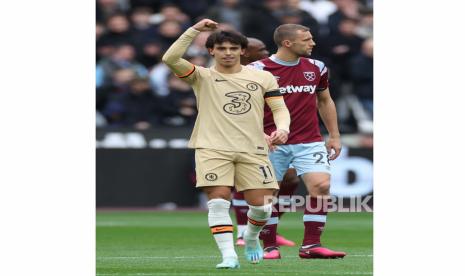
{"points": [[240, 230], [257, 217], [221, 226]]}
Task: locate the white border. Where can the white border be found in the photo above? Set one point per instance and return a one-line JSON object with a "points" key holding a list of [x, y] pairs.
{"points": [[47, 138], [418, 175]]}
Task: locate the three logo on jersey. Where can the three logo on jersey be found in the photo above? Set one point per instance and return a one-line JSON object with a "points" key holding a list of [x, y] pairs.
{"points": [[310, 76]]}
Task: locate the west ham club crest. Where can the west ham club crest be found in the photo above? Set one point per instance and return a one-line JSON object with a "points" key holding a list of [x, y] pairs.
{"points": [[310, 76]]}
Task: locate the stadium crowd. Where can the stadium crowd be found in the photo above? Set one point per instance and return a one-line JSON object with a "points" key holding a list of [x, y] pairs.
{"points": [[135, 89]]}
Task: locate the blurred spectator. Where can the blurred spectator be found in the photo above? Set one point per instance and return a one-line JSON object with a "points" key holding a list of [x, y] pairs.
{"points": [[365, 25], [227, 11], [153, 5], [103, 51], [121, 79], [180, 105], [117, 31], [293, 15], [319, 9], [194, 11], [131, 103], [345, 9], [159, 79], [336, 51], [151, 53], [226, 27], [262, 20], [148, 48], [159, 75], [296, 15], [105, 8], [198, 45], [168, 32], [198, 60], [343, 46], [109, 98], [171, 12], [140, 106], [121, 58], [141, 25], [362, 75]]}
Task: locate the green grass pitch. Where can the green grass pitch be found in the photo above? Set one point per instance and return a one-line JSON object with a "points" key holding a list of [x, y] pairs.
{"points": [[180, 243]]}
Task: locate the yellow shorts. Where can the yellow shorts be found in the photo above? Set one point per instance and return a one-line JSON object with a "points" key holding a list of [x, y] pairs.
{"points": [[245, 171]]}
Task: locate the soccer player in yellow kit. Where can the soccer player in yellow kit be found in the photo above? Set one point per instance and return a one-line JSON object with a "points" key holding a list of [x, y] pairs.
{"points": [[256, 50], [228, 134]]}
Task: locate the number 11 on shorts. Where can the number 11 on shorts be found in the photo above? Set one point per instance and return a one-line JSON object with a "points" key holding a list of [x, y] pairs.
{"points": [[266, 171]]}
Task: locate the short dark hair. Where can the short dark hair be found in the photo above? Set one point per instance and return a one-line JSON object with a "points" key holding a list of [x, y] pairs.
{"points": [[287, 31], [219, 37]]}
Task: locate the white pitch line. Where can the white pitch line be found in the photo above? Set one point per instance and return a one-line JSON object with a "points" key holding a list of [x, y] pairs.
{"points": [[192, 257], [158, 257]]}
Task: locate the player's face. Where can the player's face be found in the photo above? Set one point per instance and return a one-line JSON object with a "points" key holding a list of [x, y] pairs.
{"points": [[257, 51], [303, 44], [227, 54]]}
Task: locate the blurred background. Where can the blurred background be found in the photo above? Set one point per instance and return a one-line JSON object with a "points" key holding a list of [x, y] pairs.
{"points": [[144, 115]]}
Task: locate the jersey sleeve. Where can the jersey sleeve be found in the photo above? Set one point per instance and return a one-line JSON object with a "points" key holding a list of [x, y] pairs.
{"points": [[271, 86], [281, 116], [191, 75], [324, 77], [182, 68], [256, 65]]}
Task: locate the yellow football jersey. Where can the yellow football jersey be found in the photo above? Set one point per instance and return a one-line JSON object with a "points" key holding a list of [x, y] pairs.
{"points": [[230, 108]]}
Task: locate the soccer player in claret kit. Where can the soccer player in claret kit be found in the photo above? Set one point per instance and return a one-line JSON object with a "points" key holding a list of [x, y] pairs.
{"points": [[230, 147], [304, 84], [256, 50]]}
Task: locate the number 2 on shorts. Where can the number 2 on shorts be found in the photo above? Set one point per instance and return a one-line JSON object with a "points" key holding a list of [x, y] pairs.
{"points": [[320, 156]]}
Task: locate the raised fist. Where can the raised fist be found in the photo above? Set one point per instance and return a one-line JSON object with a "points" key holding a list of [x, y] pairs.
{"points": [[205, 25]]}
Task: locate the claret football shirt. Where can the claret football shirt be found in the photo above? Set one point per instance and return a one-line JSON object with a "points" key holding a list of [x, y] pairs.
{"points": [[299, 82]]}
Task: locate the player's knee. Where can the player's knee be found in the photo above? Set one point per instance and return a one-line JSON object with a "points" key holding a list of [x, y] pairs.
{"points": [[218, 193], [262, 212], [322, 187], [218, 204], [219, 196]]}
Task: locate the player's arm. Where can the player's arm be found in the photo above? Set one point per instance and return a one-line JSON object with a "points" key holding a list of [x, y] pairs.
{"points": [[281, 116], [327, 110], [173, 56]]}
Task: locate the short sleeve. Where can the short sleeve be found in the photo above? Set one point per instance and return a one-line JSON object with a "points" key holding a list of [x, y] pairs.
{"points": [[324, 76], [323, 84]]}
